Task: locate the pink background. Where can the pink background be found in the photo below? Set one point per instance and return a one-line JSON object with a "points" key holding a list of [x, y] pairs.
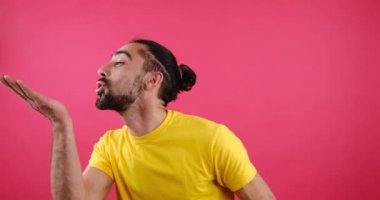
{"points": [[296, 80]]}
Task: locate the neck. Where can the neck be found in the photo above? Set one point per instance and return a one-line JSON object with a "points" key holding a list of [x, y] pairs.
{"points": [[141, 119]]}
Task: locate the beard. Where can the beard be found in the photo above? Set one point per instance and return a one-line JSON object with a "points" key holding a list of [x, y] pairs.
{"points": [[120, 103]]}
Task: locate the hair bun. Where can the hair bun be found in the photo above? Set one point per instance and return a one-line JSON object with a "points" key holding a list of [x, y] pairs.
{"points": [[188, 77]]}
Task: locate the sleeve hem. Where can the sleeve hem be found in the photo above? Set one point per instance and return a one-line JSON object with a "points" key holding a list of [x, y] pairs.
{"points": [[103, 169], [244, 182]]}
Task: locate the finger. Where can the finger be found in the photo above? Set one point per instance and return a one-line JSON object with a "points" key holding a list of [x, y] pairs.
{"points": [[19, 88], [10, 83], [6, 80], [32, 101], [35, 99], [1, 79], [27, 91]]}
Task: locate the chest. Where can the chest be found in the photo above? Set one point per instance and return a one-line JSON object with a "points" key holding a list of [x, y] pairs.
{"points": [[165, 167]]}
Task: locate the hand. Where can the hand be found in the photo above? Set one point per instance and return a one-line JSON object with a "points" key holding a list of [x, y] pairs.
{"points": [[54, 110]]}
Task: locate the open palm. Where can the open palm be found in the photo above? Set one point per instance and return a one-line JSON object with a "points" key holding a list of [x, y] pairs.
{"points": [[54, 110]]}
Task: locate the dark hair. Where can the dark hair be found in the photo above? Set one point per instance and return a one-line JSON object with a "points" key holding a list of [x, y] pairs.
{"points": [[177, 78]]}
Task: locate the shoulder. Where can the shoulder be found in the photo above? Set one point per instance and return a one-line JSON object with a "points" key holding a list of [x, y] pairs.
{"points": [[217, 132], [194, 120], [113, 134], [198, 124]]}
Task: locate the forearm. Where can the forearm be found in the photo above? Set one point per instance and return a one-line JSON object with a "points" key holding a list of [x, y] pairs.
{"points": [[66, 171]]}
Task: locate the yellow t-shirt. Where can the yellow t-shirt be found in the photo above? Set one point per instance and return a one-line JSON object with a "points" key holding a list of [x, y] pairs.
{"points": [[186, 157]]}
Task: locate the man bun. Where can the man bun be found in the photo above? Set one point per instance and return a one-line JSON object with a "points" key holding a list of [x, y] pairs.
{"points": [[187, 77]]}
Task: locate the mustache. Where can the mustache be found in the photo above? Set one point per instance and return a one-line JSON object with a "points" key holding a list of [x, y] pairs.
{"points": [[105, 81]]}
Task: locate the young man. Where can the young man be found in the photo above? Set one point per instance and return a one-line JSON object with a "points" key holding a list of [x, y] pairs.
{"points": [[159, 153]]}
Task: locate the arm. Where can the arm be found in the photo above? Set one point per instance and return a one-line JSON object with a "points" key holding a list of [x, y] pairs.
{"points": [[97, 183], [66, 176], [257, 189], [66, 173]]}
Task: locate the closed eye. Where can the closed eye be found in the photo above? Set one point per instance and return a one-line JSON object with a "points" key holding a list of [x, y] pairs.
{"points": [[119, 63]]}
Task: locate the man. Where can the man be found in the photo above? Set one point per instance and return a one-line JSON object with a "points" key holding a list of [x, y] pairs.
{"points": [[159, 153]]}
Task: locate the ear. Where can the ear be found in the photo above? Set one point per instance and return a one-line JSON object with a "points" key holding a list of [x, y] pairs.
{"points": [[153, 80]]}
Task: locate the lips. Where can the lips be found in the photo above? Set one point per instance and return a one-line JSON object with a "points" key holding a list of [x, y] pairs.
{"points": [[99, 91], [100, 87]]}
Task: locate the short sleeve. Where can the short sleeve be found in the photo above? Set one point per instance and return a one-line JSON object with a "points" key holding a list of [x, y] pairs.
{"points": [[100, 157], [233, 168]]}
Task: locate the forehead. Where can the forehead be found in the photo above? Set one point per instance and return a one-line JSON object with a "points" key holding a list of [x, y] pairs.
{"points": [[134, 50]]}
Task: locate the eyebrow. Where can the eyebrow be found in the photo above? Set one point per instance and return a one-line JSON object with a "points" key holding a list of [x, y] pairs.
{"points": [[123, 52]]}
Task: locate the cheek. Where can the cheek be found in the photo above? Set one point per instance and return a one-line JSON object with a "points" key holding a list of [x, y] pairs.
{"points": [[121, 86], [123, 81]]}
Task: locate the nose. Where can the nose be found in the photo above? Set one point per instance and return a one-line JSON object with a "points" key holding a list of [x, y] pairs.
{"points": [[103, 71]]}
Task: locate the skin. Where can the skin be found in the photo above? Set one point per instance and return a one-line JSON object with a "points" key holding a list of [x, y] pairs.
{"points": [[141, 117]]}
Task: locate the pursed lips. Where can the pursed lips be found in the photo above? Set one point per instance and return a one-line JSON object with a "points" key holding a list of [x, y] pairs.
{"points": [[100, 86]]}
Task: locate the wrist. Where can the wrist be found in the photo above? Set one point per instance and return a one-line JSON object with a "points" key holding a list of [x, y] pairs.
{"points": [[61, 125]]}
